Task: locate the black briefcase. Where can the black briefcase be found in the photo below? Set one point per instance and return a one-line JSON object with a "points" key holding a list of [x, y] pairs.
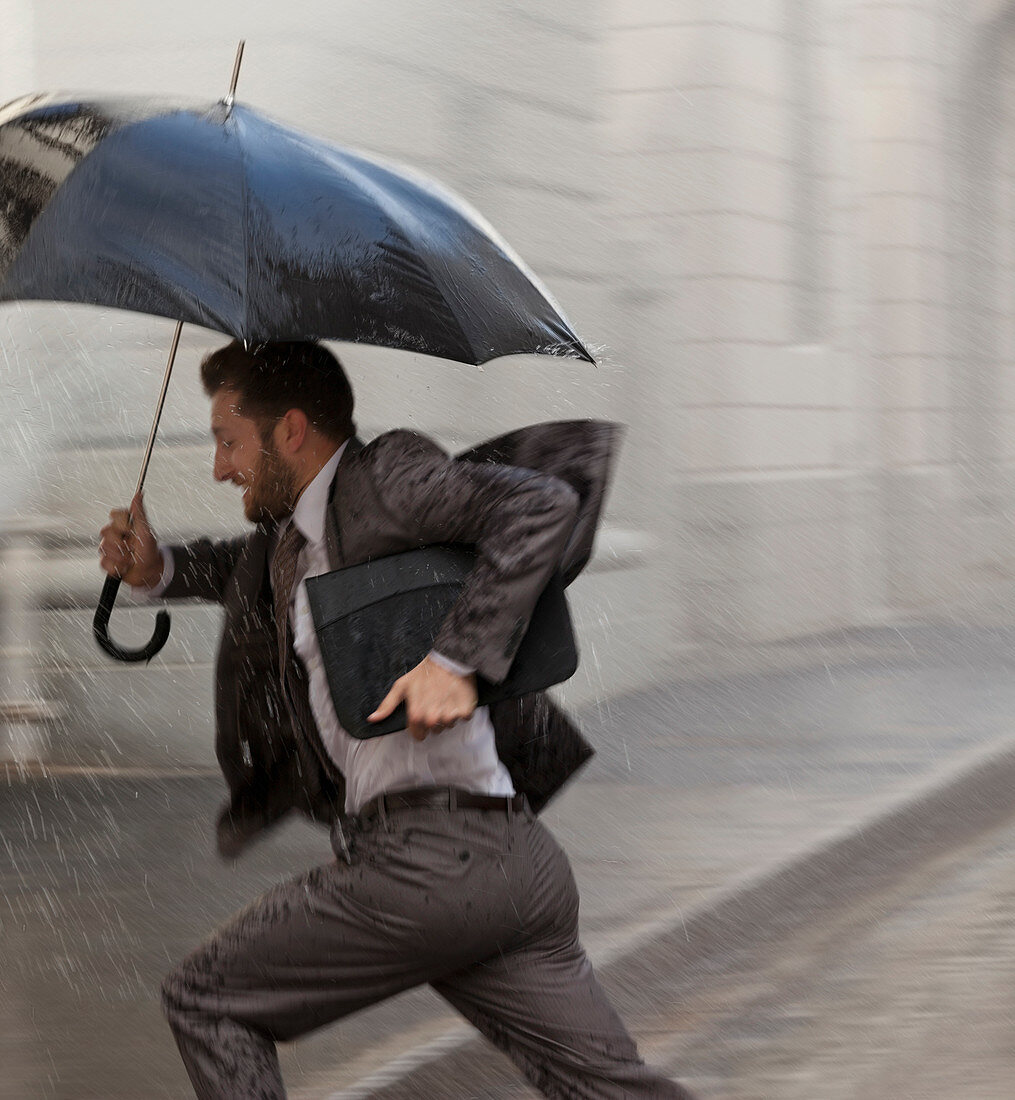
{"points": [[378, 620]]}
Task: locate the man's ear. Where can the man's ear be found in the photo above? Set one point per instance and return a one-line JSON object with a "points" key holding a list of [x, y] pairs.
{"points": [[291, 431]]}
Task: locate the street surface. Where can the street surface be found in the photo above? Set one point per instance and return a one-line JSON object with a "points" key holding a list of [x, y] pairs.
{"points": [[908, 995]]}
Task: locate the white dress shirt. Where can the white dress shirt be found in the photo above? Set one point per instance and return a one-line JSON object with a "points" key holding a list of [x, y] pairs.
{"points": [[464, 755]]}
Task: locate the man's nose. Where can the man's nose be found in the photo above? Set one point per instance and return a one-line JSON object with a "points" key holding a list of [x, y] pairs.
{"points": [[221, 469]]}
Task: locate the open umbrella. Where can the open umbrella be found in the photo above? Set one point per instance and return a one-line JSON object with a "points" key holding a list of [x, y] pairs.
{"points": [[215, 215], [219, 216]]}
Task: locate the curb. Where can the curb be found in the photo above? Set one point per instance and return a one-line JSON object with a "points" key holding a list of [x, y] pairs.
{"points": [[652, 972]]}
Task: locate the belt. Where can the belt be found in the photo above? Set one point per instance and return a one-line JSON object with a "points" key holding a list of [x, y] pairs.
{"points": [[439, 798]]}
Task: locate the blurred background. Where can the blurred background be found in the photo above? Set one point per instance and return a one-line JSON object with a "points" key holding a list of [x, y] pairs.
{"points": [[785, 227]]}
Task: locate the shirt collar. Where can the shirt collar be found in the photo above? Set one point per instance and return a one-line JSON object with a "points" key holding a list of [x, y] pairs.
{"points": [[312, 505]]}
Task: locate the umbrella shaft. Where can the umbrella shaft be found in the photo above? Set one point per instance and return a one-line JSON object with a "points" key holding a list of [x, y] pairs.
{"points": [[158, 411], [236, 71], [230, 97]]}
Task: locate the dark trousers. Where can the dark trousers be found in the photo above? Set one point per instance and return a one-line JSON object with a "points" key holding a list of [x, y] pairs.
{"points": [[480, 904]]}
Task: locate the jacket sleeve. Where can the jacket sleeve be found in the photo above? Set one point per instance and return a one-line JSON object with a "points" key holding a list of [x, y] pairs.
{"points": [[201, 569], [518, 522]]}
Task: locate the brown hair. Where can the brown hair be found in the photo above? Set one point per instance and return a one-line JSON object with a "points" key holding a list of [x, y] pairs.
{"points": [[274, 377]]}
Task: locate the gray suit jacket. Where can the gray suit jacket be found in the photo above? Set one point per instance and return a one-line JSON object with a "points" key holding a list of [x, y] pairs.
{"points": [[396, 493]]}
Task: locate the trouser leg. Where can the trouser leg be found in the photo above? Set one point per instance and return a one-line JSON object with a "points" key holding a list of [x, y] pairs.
{"points": [[430, 894], [481, 906], [290, 962], [542, 1005]]}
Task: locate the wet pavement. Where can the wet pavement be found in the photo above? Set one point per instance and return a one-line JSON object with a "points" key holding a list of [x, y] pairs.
{"points": [[909, 994], [106, 877]]}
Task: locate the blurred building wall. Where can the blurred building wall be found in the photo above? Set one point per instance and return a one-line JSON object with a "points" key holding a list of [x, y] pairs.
{"points": [[786, 226], [824, 187]]}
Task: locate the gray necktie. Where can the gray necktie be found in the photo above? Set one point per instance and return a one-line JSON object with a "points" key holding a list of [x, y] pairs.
{"points": [[294, 680], [283, 578]]}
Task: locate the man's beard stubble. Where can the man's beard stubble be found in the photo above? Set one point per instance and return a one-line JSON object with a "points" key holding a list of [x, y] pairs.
{"points": [[272, 494]]}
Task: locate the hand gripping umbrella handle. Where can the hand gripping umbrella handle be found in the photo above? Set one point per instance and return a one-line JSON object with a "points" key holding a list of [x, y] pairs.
{"points": [[100, 623], [100, 628]]}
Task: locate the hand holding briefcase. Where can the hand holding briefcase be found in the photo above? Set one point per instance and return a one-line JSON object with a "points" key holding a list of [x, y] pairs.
{"points": [[377, 620]]}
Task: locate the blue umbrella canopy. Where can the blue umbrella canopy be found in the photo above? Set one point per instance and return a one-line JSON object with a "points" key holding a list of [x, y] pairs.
{"points": [[218, 216]]}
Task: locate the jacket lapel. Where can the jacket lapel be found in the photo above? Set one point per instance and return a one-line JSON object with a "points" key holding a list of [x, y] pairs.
{"points": [[333, 516]]}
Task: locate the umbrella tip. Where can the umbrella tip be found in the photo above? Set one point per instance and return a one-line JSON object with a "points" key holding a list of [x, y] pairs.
{"points": [[230, 97]]}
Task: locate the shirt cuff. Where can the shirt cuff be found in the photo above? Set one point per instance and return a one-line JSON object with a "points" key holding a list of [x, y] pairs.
{"points": [[142, 592], [450, 665]]}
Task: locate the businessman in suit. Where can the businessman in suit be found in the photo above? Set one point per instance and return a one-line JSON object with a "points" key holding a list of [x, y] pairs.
{"points": [[443, 874]]}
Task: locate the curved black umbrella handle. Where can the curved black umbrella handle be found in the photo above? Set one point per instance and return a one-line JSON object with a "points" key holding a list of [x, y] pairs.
{"points": [[100, 628], [100, 624]]}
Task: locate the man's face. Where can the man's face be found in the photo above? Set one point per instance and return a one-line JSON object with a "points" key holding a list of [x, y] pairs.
{"points": [[253, 463]]}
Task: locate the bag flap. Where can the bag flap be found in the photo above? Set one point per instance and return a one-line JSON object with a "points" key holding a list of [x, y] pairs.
{"points": [[344, 591]]}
